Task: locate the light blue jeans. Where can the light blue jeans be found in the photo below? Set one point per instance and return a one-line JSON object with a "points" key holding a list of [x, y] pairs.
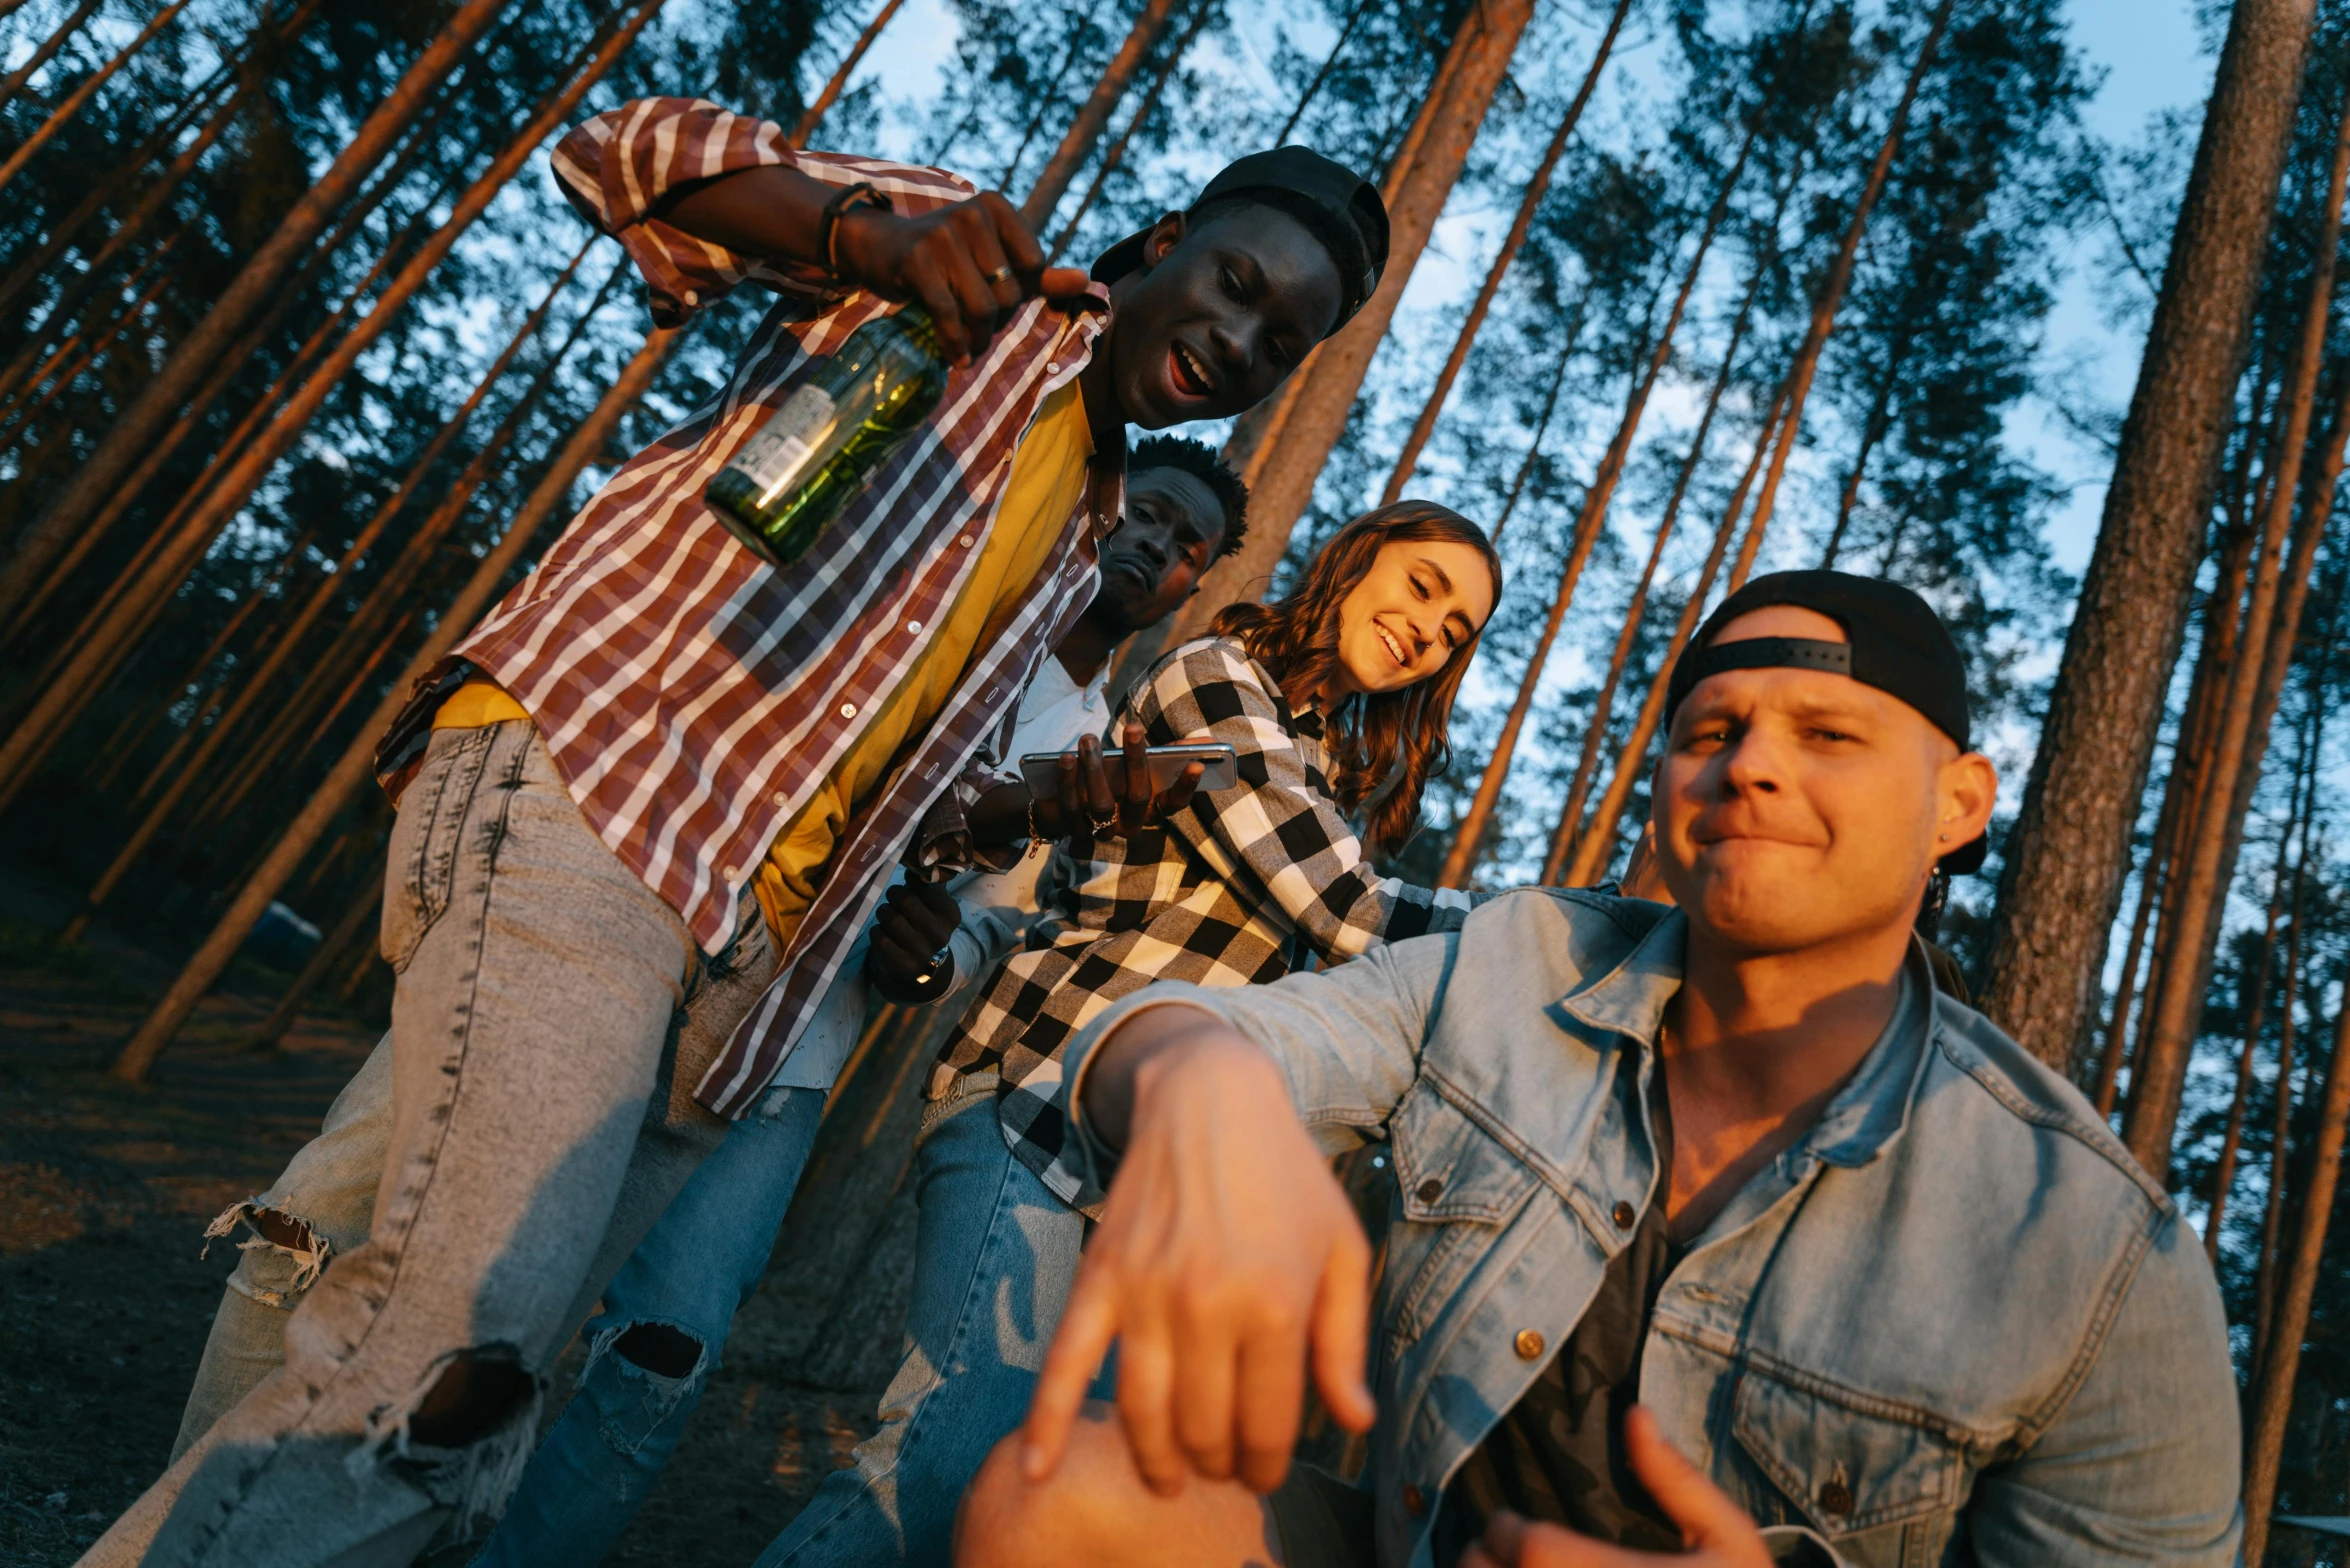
{"points": [[701, 1260], [996, 1254]]}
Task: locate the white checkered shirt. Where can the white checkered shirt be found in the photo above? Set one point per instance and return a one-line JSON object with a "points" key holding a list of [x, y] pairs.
{"points": [[1232, 891]]}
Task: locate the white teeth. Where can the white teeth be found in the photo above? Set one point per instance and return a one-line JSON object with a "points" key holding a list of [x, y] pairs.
{"points": [[1191, 363], [1394, 648]]}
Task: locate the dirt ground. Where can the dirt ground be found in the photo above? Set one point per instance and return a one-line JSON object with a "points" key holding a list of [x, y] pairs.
{"points": [[105, 1297]]}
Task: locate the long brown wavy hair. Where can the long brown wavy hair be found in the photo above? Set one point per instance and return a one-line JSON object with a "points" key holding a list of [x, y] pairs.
{"points": [[1384, 746]]}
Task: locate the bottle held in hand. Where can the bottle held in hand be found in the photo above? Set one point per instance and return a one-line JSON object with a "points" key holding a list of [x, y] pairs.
{"points": [[816, 454]]}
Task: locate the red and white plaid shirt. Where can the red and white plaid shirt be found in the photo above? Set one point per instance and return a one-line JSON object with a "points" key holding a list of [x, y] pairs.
{"points": [[695, 697]]}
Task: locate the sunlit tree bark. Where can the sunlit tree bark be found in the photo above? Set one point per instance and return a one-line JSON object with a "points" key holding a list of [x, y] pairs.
{"points": [[1529, 202], [350, 770], [63, 114], [146, 416], [2070, 847], [1093, 117], [2176, 1005]]}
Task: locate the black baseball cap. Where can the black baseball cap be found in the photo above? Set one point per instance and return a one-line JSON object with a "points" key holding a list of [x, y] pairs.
{"points": [[1336, 205], [1896, 643]]}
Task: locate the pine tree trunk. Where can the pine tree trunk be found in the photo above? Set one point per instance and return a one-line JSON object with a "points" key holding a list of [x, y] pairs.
{"points": [[1321, 78], [192, 359], [1281, 450], [1591, 518], [1563, 836], [1831, 296], [128, 167], [359, 645], [2066, 856], [1550, 403], [2117, 1028], [139, 593], [2254, 1003], [191, 419], [1872, 431], [56, 369], [13, 82], [2272, 1222], [2272, 1390], [245, 475], [2177, 1003], [840, 76], [350, 770], [296, 625], [1077, 143], [1117, 153], [63, 114], [334, 948], [1529, 202], [1597, 846]]}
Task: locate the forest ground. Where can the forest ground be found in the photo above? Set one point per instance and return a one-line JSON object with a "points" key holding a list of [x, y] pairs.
{"points": [[105, 1298]]}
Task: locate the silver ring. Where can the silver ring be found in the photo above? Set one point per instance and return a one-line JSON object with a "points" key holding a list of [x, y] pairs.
{"points": [[1000, 274]]}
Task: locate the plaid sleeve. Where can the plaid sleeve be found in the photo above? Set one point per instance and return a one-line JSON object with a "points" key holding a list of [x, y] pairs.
{"points": [[616, 168], [1276, 827]]}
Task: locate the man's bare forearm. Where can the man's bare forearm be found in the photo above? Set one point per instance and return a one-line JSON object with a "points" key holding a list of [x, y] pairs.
{"points": [[771, 212]]}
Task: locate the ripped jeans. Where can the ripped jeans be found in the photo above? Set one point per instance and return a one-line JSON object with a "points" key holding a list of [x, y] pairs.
{"points": [[550, 1020], [597, 1463]]}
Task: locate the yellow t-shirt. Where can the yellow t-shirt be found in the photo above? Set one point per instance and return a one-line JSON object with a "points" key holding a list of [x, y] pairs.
{"points": [[1045, 485]]}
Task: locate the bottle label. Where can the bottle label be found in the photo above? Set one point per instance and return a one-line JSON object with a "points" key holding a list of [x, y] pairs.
{"points": [[778, 454]]}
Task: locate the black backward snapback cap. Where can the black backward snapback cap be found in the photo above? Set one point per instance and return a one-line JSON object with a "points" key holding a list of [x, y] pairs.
{"points": [[1330, 199], [1896, 644]]}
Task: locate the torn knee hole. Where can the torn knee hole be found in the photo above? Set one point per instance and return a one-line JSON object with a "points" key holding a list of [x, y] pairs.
{"points": [[283, 1230], [475, 1395], [660, 1350]]}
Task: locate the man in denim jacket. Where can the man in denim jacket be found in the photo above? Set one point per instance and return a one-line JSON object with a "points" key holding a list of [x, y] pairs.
{"points": [[1716, 1228]]}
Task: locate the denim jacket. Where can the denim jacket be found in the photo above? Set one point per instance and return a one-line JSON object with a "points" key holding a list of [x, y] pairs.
{"points": [[1955, 1323]]}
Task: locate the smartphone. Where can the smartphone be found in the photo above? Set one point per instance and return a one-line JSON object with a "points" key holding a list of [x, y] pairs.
{"points": [[1041, 769]]}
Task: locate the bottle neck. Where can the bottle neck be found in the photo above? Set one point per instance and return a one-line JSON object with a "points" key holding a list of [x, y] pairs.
{"points": [[915, 322]]}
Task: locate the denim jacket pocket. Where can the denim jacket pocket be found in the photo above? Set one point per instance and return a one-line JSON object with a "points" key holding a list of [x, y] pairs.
{"points": [[1849, 1471], [1457, 1185], [426, 837]]}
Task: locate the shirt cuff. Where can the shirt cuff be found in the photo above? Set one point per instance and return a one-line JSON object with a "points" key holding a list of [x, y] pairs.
{"points": [[1100, 1162]]}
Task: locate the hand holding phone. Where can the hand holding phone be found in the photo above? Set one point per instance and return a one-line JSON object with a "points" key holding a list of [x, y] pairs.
{"points": [[1073, 791]]}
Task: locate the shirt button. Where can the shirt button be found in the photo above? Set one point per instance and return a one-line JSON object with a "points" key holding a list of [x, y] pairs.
{"points": [[913, 626], [1429, 1191], [780, 797], [692, 298], [1414, 1500], [965, 541], [732, 872], [1623, 1216], [1836, 1498], [848, 710], [1528, 1344]]}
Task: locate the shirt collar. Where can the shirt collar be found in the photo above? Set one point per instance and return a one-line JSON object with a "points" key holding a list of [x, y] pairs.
{"points": [[1630, 1000]]}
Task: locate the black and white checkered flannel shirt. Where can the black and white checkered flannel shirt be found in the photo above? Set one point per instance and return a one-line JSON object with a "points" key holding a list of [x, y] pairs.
{"points": [[1231, 891]]}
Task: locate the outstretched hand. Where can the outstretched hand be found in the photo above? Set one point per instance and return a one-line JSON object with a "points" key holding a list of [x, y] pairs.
{"points": [[1715, 1530], [971, 265], [1087, 798], [1227, 1261]]}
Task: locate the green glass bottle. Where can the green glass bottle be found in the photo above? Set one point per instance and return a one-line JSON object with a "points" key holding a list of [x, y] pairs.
{"points": [[812, 458]]}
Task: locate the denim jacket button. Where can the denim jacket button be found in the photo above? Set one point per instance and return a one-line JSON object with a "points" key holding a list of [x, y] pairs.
{"points": [[1528, 1343], [1429, 1191], [1623, 1215], [1836, 1498], [1415, 1501]]}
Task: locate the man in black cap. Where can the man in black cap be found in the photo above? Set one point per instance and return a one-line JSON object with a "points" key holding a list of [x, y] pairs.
{"points": [[647, 805], [1717, 1234]]}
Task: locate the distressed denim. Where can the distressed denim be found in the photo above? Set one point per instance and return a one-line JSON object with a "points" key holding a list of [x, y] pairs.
{"points": [[550, 1019], [996, 1254], [328, 1190], [1954, 1323], [694, 1269]]}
